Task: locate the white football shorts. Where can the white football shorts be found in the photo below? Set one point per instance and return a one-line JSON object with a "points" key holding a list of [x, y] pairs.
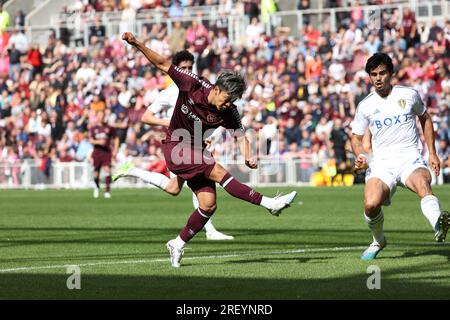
{"points": [[395, 171]]}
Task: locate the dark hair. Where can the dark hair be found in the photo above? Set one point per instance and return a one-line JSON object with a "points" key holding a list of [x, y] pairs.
{"points": [[232, 83], [181, 56], [379, 59]]}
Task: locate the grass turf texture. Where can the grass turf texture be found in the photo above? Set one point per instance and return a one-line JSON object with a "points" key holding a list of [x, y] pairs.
{"points": [[120, 245]]}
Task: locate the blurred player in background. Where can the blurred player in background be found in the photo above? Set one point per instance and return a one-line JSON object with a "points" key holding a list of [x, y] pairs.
{"points": [[159, 114], [390, 114], [106, 144]]}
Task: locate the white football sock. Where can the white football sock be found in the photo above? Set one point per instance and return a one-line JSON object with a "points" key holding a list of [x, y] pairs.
{"points": [[209, 227], [157, 179], [195, 201], [376, 226], [267, 202], [179, 242], [431, 210]]}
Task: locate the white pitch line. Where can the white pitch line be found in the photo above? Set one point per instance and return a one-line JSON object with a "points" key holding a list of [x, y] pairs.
{"points": [[106, 263]]}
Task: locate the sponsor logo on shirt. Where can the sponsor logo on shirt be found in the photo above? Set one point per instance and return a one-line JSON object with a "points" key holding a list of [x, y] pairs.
{"points": [[387, 122], [191, 116], [101, 135]]}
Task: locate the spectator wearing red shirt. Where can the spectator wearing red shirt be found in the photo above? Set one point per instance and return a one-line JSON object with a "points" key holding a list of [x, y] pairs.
{"points": [[311, 36], [64, 156], [35, 59]]}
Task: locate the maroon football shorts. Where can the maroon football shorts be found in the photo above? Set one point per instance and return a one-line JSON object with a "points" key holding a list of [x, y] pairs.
{"points": [[191, 165], [101, 158]]}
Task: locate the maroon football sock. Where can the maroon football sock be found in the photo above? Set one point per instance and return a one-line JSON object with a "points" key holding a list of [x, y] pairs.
{"points": [[240, 190], [195, 224], [97, 182], [108, 183]]}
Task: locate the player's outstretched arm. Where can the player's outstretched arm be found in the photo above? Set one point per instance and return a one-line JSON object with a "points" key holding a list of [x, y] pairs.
{"points": [[427, 126], [358, 150], [157, 60], [149, 118], [244, 145]]}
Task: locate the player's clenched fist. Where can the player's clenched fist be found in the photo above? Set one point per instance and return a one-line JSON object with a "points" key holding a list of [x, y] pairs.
{"points": [[361, 162], [251, 163], [129, 37], [435, 164]]}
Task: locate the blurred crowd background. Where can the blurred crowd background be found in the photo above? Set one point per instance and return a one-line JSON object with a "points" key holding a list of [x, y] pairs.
{"points": [[302, 90]]}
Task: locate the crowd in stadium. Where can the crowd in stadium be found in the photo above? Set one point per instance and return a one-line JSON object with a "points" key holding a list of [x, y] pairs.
{"points": [[302, 91]]}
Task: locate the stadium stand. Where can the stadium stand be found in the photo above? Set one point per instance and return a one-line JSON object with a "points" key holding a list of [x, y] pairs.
{"points": [[303, 84]]}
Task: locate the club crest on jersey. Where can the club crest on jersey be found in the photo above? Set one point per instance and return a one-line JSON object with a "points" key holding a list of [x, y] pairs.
{"points": [[184, 109], [211, 117], [402, 103]]}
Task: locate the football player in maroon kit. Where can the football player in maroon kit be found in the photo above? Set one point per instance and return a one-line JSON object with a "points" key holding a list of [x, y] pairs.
{"points": [[201, 107], [106, 144], [159, 114]]}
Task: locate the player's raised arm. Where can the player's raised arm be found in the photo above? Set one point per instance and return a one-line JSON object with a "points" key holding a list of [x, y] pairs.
{"points": [[149, 118], [428, 132], [157, 60], [163, 102]]}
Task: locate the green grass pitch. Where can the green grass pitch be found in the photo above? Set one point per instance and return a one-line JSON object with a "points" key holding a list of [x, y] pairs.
{"points": [[310, 252]]}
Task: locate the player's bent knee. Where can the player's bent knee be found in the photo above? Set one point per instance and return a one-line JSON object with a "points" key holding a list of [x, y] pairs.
{"points": [[372, 205], [173, 187], [420, 183], [174, 191], [209, 210], [424, 189]]}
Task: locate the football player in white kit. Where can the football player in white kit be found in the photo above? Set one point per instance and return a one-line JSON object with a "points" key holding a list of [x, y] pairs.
{"points": [[390, 114], [159, 114]]}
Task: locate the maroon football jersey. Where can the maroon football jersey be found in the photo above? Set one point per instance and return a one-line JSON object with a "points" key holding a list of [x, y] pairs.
{"points": [[102, 132], [192, 111]]}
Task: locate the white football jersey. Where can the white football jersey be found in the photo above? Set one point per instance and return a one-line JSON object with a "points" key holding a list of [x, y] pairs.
{"points": [[391, 120], [165, 103]]}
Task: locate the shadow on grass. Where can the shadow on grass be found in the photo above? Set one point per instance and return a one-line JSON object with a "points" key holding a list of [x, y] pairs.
{"points": [[56, 235], [414, 253], [175, 287], [246, 231]]}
